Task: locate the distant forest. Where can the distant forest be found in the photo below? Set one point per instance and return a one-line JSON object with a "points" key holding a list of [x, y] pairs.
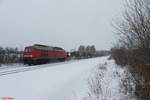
{"points": [[10, 55], [88, 52]]}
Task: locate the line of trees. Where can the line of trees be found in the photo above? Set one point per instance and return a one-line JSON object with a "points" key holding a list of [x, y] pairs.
{"points": [[84, 52], [88, 52], [133, 47], [9, 55]]}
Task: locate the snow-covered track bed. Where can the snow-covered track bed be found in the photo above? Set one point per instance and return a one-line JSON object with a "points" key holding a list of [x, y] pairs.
{"points": [[11, 66], [23, 68]]}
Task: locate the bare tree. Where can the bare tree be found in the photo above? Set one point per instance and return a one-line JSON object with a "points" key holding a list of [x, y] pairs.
{"points": [[134, 28]]}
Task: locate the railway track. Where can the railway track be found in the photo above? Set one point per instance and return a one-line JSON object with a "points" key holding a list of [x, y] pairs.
{"points": [[29, 68]]}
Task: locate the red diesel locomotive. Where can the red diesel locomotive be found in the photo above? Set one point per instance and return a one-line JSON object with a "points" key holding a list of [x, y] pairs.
{"points": [[39, 54]]}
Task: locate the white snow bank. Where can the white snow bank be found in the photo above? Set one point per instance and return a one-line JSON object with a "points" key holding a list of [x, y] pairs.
{"points": [[110, 82]]}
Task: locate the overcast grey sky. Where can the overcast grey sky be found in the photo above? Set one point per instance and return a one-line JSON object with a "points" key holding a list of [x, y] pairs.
{"points": [[65, 23]]}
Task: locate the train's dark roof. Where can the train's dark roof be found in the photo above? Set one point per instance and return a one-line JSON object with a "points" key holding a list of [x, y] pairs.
{"points": [[41, 45], [45, 47], [57, 48]]}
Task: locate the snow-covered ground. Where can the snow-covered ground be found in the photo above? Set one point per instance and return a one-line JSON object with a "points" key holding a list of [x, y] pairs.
{"points": [[66, 81]]}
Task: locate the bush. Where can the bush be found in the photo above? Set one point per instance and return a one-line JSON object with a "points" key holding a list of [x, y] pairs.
{"points": [[120, 56], [139, 62]]}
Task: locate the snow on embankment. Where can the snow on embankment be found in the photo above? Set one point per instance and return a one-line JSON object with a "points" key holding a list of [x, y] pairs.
{"points": [[110, 82], [67, 81]]}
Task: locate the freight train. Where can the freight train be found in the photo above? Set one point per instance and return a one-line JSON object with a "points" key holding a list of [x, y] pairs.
{"points": [[39, 54]]}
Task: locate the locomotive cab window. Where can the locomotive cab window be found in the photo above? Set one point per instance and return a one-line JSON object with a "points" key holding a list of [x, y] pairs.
{"points": [[28, 49]]}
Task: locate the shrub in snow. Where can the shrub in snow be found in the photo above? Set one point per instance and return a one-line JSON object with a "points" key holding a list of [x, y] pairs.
{"points": [[110, 82]]}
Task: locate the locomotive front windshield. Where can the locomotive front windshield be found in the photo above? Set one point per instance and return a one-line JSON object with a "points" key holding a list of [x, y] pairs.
{"points": [[28, 49]]}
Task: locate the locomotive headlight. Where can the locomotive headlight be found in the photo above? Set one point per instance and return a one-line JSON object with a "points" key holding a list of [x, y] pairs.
{"points": [[28, 55]]}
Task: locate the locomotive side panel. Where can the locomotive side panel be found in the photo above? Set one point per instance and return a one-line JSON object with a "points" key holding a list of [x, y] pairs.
{"points": [[51, 54], [61, 55]]}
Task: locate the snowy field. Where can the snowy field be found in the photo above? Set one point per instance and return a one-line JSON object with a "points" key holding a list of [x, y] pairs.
{"points": [[65, 81]]}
